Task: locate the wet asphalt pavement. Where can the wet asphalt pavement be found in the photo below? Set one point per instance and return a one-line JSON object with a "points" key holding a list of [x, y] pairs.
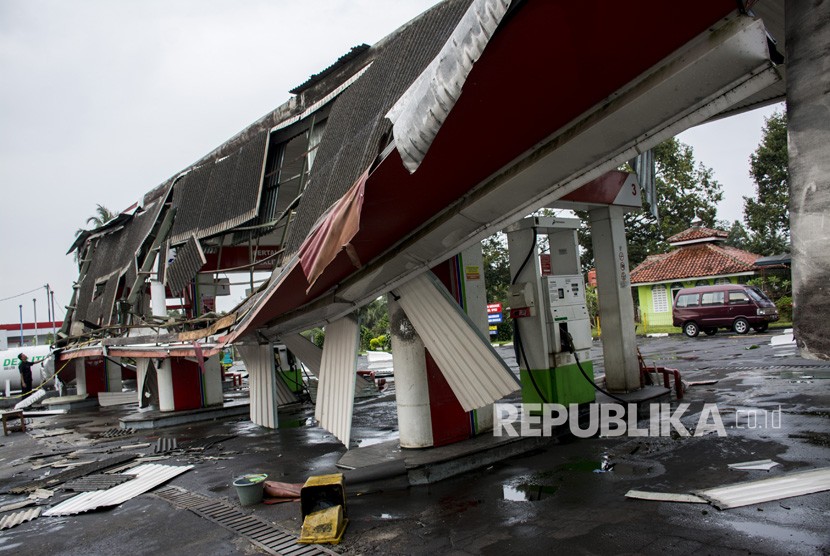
{"points": [[555, 499]]}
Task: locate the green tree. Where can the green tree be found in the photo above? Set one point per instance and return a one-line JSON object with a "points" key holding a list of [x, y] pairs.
{"points": [[685, 190], [497, 278], [374, 322], [738, 237], [767, 215], [102, 216]]}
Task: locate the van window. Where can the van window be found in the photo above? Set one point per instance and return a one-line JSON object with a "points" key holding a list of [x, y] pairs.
{"points": [[687, 300], [738, 298], [711, 298], [758, 295]]}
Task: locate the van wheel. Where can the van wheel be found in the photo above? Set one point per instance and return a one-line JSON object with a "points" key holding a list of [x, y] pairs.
{"points": [[741, 326], [761, 327], [710, 331], [691, 329]]}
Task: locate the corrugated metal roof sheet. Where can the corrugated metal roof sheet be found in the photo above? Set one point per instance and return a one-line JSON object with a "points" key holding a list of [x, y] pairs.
{"points": [[259, 362], [220, 194], [765, 490], [73, 473], [189, 259], [113, 254], [15, 519], [357, 122], [418, 114], [106, 399], [147, 476], [338, 369], [474, 371], [101, 481], [306, 351]]}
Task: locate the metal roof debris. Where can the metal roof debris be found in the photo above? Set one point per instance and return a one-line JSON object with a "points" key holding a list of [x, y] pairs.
{"points": [[17, 505], [116, 433], [100, 481], [73, 473], [762, 464], [106, 399], [165, 444], [665, 496], [206, 442], [13, 520], [765, 490], [147, 476]]}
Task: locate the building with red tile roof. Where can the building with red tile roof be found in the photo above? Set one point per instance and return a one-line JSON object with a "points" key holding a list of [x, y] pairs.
{"points": [[698, 258]]}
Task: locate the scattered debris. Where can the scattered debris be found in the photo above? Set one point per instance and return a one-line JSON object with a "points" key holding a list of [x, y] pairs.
{"points": [[48, 433], [665, 496], [765, 490], [207, 442], [73, 473], [31, 400], [116, 433], [702, 382], [166, 445], [276, 492], [17, 505], [101, 481], [135, 446], [41, 494], [67, 464], [106, 399], [761, 464], [13, 520], [147, 476]]}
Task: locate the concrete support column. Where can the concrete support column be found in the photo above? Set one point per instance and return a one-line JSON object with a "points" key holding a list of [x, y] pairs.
{"points": [[113, 370], [164, 371], [616, 306], [212, 381], [80, 376], [808, 134], [411, 387]]}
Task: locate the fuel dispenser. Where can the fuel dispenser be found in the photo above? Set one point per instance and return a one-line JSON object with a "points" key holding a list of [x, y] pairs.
{"points": [[552, 328]]}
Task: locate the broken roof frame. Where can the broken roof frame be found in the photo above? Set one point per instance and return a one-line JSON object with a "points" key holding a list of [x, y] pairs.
{"points": [[462, 219]]}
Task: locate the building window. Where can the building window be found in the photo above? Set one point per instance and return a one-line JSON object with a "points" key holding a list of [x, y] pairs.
{"points": [[676, 287], [660, 299], [722, 281]]}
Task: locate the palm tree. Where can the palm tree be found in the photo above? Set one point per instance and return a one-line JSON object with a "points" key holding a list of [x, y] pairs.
{"points": [[102, 216]]}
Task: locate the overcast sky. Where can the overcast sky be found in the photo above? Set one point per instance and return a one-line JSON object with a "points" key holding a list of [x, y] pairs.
{"points": [[101, 101]]}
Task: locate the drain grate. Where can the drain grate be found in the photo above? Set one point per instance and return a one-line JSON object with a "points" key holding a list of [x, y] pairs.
{"points": [[116, 433], [262, 533]]}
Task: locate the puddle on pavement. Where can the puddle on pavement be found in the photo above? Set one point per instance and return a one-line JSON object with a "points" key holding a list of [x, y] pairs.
{"points": [[370, 442], [790, 535], [527, 492], [604, 465], [296, 423], [807, 374]]}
